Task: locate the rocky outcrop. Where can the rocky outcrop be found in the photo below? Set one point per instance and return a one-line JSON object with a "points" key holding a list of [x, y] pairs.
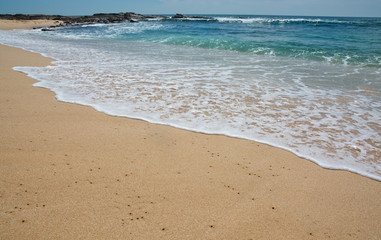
{"points": [[178, 15], [182, 16], [106, 18], [95, 18], [29, 17]]}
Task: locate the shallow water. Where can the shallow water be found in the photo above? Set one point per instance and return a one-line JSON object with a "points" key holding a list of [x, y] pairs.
{"points": [[309, 85]]}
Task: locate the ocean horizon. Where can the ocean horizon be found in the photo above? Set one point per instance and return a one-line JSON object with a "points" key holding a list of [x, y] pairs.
{"points": [[307, 84]]}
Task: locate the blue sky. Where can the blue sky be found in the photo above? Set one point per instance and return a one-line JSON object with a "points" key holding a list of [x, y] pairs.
{"points": [[366, 8]]}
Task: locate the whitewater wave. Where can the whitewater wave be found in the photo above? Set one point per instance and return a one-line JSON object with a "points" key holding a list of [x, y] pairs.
{"points": [[266, 20]]}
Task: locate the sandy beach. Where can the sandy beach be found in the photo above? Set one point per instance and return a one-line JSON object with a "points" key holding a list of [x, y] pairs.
{"points": [[70, 172], [26, 24]]}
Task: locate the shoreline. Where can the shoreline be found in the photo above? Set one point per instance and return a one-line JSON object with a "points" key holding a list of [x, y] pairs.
{"points": [[68, 171], [333, 163]]}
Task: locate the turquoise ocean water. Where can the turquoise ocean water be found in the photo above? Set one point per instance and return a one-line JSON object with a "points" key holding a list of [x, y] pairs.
{"points": [[311, 85]]}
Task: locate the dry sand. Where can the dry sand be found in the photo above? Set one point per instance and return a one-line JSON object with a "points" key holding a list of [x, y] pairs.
{"points": [[70, 172], [26, 24]]}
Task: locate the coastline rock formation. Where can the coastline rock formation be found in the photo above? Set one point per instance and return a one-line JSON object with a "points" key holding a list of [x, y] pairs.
{"points": [[74, 20], [95, 18], [178, 15], [182, 16]]}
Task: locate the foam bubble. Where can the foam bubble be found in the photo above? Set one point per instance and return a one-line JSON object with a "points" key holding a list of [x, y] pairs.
{"points": [[314, 109]]}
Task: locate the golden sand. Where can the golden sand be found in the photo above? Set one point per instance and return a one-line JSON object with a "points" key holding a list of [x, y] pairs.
{"points": [[26, 24], [70, 172]]}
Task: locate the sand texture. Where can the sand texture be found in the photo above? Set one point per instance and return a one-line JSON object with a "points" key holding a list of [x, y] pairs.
{"points": [[26, 24], [70, 172]]}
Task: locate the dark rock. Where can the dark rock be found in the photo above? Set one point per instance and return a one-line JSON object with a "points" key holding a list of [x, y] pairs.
{"points": [[95, 18], [29, 17], [178, 15], [182, 16], [47, 29]]}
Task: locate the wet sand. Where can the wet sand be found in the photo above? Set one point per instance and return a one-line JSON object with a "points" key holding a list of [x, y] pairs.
{"points": [[70, 172]]}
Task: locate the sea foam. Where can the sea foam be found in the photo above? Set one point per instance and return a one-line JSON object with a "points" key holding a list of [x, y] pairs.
{"points": [[328, 113]]}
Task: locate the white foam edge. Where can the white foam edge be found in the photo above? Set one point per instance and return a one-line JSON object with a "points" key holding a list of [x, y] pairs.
{"points": [[54, 60], [363, 173], [204, 131]]}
